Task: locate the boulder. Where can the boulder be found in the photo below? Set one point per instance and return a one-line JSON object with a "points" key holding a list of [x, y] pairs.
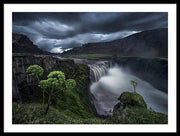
{"points": [[132, 99], [129, 99]]}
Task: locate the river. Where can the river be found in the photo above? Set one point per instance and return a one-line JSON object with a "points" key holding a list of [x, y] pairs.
{"points": [[109, 81]]}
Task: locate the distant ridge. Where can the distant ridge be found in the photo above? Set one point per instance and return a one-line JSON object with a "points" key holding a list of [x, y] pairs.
{"points": [[149, 43]]}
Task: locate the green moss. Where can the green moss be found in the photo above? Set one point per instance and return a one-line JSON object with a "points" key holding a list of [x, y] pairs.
{"points": [[88, 56], [138, 115], [32, 114], [19, 54], [75, 101], [73, 104], [132, 99], [133, 110]]}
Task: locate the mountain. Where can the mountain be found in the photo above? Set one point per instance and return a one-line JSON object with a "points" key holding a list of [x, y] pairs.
{"points": [[22, 44], [149, 43]]}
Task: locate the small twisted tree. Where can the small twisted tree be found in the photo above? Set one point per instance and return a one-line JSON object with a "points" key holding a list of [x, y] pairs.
{"points": [[56, 82], [134, 83]]}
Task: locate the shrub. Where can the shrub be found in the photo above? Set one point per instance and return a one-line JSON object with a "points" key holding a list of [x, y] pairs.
{"points": [[70, 84], [134, 83], [56, 83], [35, 71]]}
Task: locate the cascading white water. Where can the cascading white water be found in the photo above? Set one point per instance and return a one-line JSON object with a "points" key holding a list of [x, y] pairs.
{"points": [[98, 70], [109, 87], [108, 82]]}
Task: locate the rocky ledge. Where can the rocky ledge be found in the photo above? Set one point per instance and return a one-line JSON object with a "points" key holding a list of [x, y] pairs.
{"points": [[20, 78]]}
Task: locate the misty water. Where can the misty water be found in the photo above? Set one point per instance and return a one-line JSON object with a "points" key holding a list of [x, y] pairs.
{"points": [[117, 80], [108, 82]]}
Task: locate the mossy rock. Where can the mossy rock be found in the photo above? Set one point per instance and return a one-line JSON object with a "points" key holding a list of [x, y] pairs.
{"points": [[132, 99], [138, 115]]}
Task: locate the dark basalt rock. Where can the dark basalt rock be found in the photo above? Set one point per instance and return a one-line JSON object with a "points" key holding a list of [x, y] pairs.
{"points": [[22, 84]]}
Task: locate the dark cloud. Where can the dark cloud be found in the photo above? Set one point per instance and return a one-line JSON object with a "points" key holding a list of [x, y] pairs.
{"points": [[70, 29]]}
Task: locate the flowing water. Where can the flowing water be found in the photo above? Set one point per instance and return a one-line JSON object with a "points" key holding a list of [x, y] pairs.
{"points": [[99, 69], [117, 80], [108, 82]]}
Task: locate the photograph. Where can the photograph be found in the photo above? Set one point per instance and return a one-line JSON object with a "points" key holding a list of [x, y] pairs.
{"points": [[90, 67]]}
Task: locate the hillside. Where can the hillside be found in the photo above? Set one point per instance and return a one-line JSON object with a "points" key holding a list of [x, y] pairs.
{"points": [[150, 43], [22, 44]]}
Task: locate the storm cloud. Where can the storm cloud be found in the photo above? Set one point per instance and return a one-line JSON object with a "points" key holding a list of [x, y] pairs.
{"points": [[59, 31]]}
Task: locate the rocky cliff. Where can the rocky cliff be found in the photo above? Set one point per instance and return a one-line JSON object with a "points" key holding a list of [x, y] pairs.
{"points": [[22, 44], [23, 84], [150, 43]]}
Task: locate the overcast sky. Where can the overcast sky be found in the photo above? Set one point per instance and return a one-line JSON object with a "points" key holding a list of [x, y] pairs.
{"points": [[59, 31]]}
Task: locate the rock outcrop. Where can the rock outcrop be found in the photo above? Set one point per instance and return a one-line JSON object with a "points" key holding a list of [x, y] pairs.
{"points": [[22, 44], [132, 109], [128, 99], [21, 84]]}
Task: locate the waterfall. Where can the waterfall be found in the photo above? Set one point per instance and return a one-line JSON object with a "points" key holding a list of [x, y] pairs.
{"points": [[108, 88], [99, 69], [108, 82]]}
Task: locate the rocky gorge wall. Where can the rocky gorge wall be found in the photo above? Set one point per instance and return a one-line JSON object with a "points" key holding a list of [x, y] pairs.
{"points": [[152, 70], [22, 84]]}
